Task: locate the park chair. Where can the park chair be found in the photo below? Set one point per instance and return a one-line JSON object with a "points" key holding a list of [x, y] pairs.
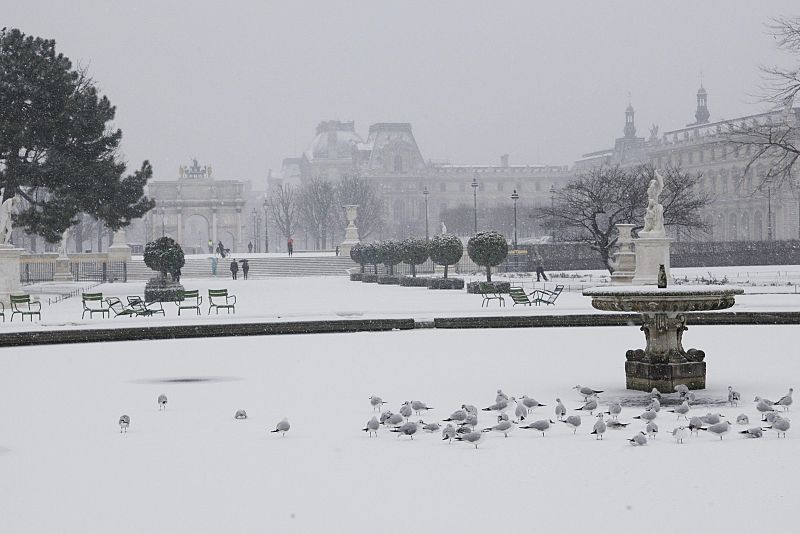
{"points": [[219, 298], [519, 296], [489, 293], [23, 305], [93, 303], [146, 309], [116, 306], [3, 311], [543, 296], [188, 300]]}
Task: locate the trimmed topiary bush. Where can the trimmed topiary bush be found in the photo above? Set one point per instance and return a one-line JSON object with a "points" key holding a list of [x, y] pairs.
{"points": [[368, 278], [391, 254], [357, 255], [446, 283], [491, 287], [415, 252], [371, 254], [389, 279], [445, 249], [412, 281], [356, 277], [164, 255], [487, 249], [161, 289]]}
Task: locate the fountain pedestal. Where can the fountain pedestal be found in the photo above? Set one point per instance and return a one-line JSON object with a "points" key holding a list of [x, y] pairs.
{"points": [[663, 363]]}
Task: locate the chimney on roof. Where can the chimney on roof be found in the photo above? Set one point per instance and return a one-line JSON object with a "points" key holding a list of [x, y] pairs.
{"points": [[504, 160]]}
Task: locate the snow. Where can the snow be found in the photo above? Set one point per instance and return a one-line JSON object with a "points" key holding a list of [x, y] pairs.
{"points": [[671, 291], [64, 466]]}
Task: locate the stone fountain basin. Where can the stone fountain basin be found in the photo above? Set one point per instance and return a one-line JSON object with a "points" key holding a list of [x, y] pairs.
{"points": [[652, 299]]}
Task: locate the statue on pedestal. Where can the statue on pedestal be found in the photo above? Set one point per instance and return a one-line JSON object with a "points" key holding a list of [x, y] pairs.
{"points": [[444, 228], [654, 216], [7, 209]]}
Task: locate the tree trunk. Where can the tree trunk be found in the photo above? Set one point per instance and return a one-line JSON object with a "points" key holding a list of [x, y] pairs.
{"points": [[362, 268], [375, 266], [445, 271], [488, 273], [413, 271], [79, 237]]}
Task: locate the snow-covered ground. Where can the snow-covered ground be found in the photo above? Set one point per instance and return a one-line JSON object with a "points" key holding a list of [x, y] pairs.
{"points": [[286, 299], [64, 466]]}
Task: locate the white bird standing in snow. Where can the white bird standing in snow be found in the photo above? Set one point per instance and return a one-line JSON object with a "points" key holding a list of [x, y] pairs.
{"points": [[754, 432], [695, 424], [599, 427], [458, 416], [680, 434], [500, 396], [573, 421], [590, 405], [733, 397], [639, 439], [503, 427], [240, 414], [560, 410], [542, 425], [449, 432], [405, 410], [162, 402], [376, 402], [499, 406], [372, 426], [531, 403], [430, 427], [470, 408], [654, 394], [681, 389], [520, 412], [785, 401], [394, 420], [471, 420], [780, 426], [711, 418], [124, 423], [648, 415], [587, 392], [742, 419], [614, 409], [419, 406], [764, 406], [682, 410], [408, 429], [655, 405], [720, 429], [651, 429], [282, 427], [473, 438]]}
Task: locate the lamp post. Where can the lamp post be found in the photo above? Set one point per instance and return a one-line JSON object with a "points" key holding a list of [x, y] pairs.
{"points": [[769, 208], [162, 221], [266, 225], [475, 199], [515, 197], [552, 211], [425, 193]]}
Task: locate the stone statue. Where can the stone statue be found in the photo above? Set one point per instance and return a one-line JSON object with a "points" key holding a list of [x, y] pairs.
{"points": [[208, 171], [7, 208], [181, 171], [654, 216], [62, 245], [444, 228]]}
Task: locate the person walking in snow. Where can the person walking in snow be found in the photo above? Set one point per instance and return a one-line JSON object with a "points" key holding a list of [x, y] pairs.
{"points": [[245, 268], [234, 269], [250, 247], [290, 246]]}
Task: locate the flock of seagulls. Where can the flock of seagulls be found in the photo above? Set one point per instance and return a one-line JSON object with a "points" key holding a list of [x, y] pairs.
{"points": [[462, 424], [283, 425]]}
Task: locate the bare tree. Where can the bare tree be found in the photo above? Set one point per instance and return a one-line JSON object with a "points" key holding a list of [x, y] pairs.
{"points": [[774, 140], [283, 207], [356, 190], [593, 203], [317, 207]]}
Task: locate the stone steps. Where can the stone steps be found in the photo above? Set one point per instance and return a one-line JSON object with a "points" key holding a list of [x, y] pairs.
{"points": [[259, 267]]}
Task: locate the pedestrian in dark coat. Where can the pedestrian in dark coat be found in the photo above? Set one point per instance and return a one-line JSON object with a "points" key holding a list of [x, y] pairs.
{"points": [[245, 268], [234, 269]]}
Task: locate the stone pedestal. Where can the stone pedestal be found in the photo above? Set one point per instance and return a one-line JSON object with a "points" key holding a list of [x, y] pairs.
{"points": [[351, 232], [119, 249], [625, 257], [9, 272], [62, 272], [650, 253]]}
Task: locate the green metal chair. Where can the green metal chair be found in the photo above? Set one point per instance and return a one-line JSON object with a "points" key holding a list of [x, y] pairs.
{"points": [[93, 303], [223, 300], [188, 300], [23, 305]]}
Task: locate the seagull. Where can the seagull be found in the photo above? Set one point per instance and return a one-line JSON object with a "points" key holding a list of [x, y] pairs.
{"points": [[742, 419], [240, 414], [719, 428], [695, 424], [785, 401], [531, 403], [764, 406], [599, 427], [711, 418], [680, 434], [408, 429], [614, 424], [385, 416], [614, 409], [521, 412], [654, 394], [542, 425], [639, 439], [405, 410], [449, 432], [561, 411], [682, 410], [573, 421], [124, 423], [458, 416], [780, 426], [771, 416], [394, 420], [282, 427], [733, 397], [473, 438], [500, 417], [500, 396], [503, 427], [648, 415], [499, 406], [655, 405], [651, 429], [376, 402], [470, 408], [754, 432], [162, 402], [681, 389], [430, 427], [372, 426], [419, 406], [690, 396], [471, 421], [759, 399], [587, 392], [589, 406]]}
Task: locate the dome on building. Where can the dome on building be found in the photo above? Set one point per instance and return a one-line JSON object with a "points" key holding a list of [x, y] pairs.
{"points": [[334, 140]]}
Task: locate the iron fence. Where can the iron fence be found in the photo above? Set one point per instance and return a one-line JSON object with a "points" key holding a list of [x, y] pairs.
{"points": [[85, 271]]}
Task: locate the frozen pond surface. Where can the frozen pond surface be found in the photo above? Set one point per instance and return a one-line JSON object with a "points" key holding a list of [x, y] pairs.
{"points": [[64, 467]]}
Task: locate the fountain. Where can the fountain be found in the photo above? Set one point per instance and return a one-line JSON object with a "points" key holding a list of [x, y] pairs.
{"points": [[663, 363]]}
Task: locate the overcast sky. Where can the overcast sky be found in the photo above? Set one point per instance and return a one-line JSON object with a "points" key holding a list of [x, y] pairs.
{"points": [[241, 85]]}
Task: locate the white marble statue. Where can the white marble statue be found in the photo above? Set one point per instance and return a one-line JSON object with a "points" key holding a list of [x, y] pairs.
{"points": [[62, 245], [654, 216], [444, 228], [7, 208]]}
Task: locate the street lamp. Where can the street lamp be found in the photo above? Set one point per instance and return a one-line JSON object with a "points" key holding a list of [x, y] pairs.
{"points": [[552, 211], [515, 197], [255, 228], [162, 221], [475, 199], [266, 225], [768, 181], [425, 193]]}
